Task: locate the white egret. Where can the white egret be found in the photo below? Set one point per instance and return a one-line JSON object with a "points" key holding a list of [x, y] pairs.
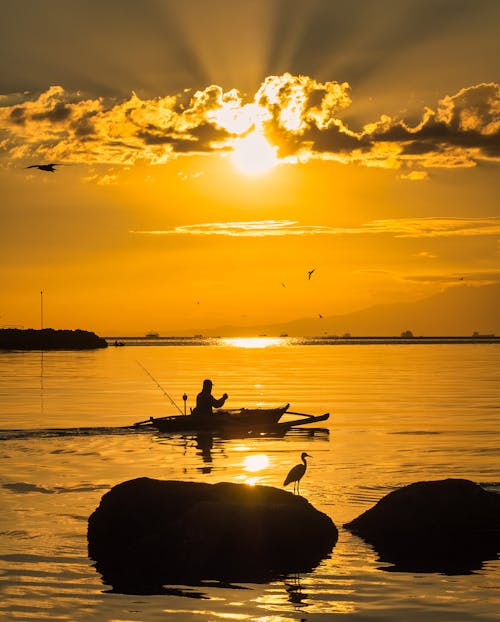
{"points": [[297, 473]]}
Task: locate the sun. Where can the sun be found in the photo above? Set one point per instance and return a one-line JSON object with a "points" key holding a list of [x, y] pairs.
{"points": [[253, 155]]}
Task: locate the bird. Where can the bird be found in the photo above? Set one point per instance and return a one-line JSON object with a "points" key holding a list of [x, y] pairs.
{"points": [[320, 316], [50, 168], [309, 273], [296, 473]]}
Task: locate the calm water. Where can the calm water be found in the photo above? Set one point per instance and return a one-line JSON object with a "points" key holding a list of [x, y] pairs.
{"points": [[399, 414]]}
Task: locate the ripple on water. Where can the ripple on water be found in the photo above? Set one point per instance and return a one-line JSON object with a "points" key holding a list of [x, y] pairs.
{"points": [[25, 487]]}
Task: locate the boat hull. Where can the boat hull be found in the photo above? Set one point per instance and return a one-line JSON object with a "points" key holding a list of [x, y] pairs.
{"points": [[244, 418]]}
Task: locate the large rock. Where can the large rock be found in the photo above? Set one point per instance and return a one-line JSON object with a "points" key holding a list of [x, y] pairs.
{"points": [[448, 526], [147, 533]]}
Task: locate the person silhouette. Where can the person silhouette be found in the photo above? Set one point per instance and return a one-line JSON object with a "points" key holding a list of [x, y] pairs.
{"points": [[205, 401]]}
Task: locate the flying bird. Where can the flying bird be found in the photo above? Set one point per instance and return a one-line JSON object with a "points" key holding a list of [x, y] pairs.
{"points": [[309, 273], [297, 473], [283, 285], [50, 168], [320, 316]]}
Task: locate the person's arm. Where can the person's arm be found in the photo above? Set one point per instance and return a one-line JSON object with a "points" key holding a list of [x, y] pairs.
{"points": [[220, 402]]}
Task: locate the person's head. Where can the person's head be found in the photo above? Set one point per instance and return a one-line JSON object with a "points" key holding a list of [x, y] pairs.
{"points": [[207, 385]]}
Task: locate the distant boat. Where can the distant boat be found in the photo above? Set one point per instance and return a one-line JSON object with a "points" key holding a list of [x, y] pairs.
{"points": [[284, 335], [153, 335]]}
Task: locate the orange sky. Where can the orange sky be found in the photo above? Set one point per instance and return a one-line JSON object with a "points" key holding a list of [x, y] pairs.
{"points": [[210, 159]]}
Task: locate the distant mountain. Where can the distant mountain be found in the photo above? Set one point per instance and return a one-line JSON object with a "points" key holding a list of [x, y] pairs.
{"points": [[459, 310]]}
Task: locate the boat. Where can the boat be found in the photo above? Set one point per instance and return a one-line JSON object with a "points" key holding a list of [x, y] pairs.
{"points": [[247, 420]]}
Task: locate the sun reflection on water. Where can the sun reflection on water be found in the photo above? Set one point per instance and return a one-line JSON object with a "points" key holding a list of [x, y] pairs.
{"points": [[256, 463], [253, 342]]}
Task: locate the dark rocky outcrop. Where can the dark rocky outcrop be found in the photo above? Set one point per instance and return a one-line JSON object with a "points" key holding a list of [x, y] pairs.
{"points": [[450, 526], [49, 339], [147, 533]]}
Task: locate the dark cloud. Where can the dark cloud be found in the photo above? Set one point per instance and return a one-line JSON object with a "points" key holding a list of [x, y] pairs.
{"points": [[335, 139], [418, 148], [17, 115], [84, 126], [469, 120], [202, 138], [60, 112], [150, 138]]}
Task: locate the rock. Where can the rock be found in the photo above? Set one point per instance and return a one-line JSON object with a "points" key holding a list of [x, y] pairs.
{"points": [[448, 526], [49, 339], [147, 533]]}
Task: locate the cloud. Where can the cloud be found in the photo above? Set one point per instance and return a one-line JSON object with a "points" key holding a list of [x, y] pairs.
{"points": [[102, 180], [434, 227], [415, 175], [478, 278], [253, 228], [297, 114], [426, 255], [397, 227], [463, 129]]}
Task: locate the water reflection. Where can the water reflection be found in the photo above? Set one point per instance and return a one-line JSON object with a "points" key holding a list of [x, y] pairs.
{"points": [[41, 385], [211, 450], [158, 591], [205, 443], [293, 586], [449, 556], [204, 446], [254, 342], [255, 463]]}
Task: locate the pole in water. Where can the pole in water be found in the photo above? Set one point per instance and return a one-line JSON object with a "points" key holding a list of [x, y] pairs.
{"points": [[184, 397], [159, 385], [41, 309]]}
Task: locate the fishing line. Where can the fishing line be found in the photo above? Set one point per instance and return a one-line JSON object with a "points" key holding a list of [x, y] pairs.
{"points": [[160, 387]]}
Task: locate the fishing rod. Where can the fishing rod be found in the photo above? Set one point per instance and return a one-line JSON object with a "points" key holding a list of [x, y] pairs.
{"points": [[160, 387]]}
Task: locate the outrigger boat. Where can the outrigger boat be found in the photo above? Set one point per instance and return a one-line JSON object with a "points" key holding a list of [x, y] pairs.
{"points": [[248, 420]]}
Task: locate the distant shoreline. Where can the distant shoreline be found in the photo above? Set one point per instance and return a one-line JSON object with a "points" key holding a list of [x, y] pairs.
{"points": [[308, 340]]}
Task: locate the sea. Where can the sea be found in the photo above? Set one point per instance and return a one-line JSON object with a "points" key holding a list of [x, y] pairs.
{"points": [[400, 412]]}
